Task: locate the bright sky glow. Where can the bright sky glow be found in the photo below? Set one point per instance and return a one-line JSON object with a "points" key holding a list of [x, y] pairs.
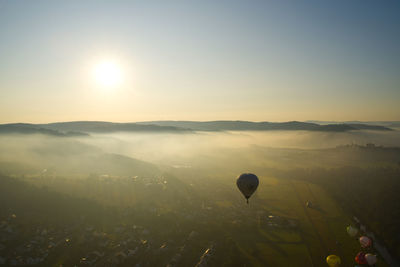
{"points": [[107, 74], [199, 60]]}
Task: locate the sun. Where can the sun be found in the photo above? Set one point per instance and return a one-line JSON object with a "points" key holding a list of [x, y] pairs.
{"points": [[108, 74]]}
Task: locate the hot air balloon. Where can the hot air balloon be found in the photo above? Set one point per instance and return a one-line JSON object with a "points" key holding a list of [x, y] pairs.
{"points": [[370, 258], [365, 241], [333, 260], [247, 184], [360, 258], [352, 231]]}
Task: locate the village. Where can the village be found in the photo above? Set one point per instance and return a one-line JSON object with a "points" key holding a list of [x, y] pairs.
{"points": [[165, 238], [89, 246]]}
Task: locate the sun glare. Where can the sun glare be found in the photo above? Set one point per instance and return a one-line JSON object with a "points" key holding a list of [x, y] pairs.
{"points": [[108, 74]]}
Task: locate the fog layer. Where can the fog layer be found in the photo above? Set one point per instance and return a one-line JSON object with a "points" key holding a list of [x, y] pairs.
{"points": [[127, 153]]}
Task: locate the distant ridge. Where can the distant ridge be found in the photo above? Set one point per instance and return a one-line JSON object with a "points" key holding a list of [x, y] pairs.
{"points": [[105, 127], [265, 126], [26, 128], [82, 128], [376, 123]]}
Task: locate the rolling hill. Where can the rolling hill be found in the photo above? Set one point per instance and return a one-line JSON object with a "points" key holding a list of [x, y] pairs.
{"points": [[264, 126], [82, 128]]}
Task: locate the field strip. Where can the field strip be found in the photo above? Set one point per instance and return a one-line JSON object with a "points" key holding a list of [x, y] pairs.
{"points": [[338, 248], [310, 220]]}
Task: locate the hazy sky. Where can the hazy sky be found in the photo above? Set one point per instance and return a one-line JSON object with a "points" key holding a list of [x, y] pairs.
{"points": [[200, 60]]}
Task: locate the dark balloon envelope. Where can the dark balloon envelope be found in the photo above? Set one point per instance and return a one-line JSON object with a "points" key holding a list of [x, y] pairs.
{"points": [[247, 184]]}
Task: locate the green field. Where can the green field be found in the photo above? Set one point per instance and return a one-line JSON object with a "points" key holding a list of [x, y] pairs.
{"points": [[170, 211], [320, 231]]}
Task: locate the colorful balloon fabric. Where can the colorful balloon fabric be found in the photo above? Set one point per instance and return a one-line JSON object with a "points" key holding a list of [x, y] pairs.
{"points": [[360, 258], [370, 258], [352, 231], [333, 260], [365, 241]]}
